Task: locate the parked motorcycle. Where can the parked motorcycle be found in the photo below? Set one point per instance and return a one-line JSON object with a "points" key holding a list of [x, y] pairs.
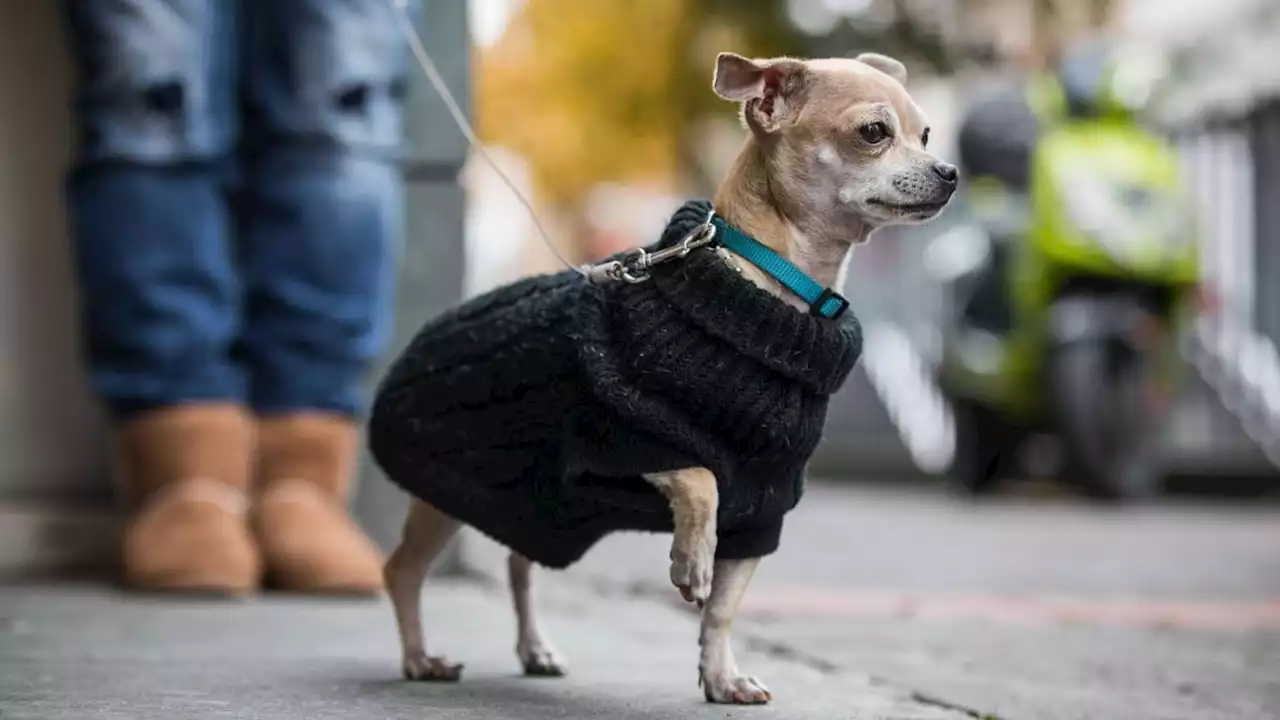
{"points": [[1082, 268]]}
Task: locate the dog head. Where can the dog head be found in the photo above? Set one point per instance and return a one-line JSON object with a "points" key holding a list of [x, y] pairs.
{"points": [[844, 146]]}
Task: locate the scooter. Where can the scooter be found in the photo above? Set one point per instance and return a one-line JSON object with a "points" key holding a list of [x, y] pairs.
{"points": [[1082, 268]]}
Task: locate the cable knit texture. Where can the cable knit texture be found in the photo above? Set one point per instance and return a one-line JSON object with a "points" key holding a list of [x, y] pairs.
{"points": [[532, 412]]}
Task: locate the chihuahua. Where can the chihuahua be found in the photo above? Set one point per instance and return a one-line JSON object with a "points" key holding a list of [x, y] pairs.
{"points": [[836, 148]]}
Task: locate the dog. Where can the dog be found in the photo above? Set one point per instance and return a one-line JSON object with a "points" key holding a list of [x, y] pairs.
{"points": [[835, 149]]}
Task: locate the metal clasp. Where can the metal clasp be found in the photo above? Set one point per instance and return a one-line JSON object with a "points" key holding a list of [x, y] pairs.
{"points": [[634, 266]]}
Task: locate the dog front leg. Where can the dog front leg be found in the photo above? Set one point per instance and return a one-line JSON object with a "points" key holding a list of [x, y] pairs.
{"points": [[718, 673], [694, 502]]}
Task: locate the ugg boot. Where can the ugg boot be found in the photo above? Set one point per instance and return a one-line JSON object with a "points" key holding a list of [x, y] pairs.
{"points": [[309, 541], [185, 473]]}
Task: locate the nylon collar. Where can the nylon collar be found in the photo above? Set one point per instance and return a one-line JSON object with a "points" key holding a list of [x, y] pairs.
{"points": [[823, 301]]}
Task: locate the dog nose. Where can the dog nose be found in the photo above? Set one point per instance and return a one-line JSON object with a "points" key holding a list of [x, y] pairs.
{"points": [[948, 172]]}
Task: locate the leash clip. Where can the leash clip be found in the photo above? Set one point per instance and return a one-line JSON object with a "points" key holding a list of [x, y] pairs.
{"points": [[633, 267]]}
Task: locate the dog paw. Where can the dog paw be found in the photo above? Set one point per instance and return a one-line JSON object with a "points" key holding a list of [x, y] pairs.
{"points": [[735, 690], [540, 660], [692, 566], [431, 669]]}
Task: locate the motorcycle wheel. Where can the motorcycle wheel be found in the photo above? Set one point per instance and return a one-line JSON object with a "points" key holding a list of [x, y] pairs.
{"points": [[979, 449], [1098, 391]]}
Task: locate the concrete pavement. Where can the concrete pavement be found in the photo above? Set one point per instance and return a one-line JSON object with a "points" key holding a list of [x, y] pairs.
{"points": [[1035, 609], [1022, 609], [78, 653]]}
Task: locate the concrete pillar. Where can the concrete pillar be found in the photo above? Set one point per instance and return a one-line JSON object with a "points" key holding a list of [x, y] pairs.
{"points": [[54, 501], [431, 270]]}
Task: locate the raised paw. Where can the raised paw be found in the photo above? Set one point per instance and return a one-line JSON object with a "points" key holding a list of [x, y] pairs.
{"points": [[541, 661], [692, 565], [735, 690], [431, 669]]}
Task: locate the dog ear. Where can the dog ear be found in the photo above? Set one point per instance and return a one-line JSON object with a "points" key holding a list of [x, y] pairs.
{"points": [[886, 65], [768, 89]]}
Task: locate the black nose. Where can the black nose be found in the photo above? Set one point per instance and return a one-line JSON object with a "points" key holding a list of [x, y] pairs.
{"points": [[948, 172]]}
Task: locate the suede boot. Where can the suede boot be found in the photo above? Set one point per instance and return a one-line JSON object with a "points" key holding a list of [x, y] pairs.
{"points": [[185, 473], [310, 542]]}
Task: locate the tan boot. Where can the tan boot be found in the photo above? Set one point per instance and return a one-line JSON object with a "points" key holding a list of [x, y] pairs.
{"points": [[185, 473], [310, 543]]}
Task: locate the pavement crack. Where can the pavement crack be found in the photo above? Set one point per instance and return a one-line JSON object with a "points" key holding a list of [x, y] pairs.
{"points": [[932, 701], [783, 651]]}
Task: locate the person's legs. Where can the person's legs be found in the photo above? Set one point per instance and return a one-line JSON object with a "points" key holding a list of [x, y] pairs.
{"points": [[158, 286], [320, 225]]}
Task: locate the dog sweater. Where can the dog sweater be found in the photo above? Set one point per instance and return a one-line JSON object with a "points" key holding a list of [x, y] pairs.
{"points": [[532, 412]]}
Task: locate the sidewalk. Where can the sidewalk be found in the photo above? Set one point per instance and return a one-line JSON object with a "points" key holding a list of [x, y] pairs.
{"points": [[81, 652], [1024, 609]]}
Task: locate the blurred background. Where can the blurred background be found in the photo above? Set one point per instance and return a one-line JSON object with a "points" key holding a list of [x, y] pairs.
{"points": [[1144, 183], [602, 114]]}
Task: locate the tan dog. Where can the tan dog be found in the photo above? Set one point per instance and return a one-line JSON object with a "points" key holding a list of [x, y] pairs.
{"points": [[836, 149]]}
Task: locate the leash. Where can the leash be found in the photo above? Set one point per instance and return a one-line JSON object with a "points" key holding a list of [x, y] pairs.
{"points": [[401, 10], [633, 266], [633, 269]]}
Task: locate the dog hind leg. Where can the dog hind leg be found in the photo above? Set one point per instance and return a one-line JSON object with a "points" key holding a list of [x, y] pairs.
{"points": [[426, 532], [718, 673], [536, 654]]}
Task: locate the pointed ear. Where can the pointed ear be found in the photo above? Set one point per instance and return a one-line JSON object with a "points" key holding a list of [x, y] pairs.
{"points": [[769, 89], [886, 65], [738, 78]]}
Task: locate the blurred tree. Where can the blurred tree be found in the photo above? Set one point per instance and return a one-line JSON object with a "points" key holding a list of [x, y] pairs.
{"points": [[604, 90], [592, 91]]}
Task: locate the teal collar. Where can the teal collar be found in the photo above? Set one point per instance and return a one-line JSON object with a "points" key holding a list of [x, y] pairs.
{"points": [[823, 301]]}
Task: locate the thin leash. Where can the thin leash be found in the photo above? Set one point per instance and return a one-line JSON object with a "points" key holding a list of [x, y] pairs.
{"points": [[633, 267]]}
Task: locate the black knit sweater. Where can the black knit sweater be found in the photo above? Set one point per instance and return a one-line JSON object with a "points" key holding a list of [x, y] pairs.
{"points": [[531, 412]]}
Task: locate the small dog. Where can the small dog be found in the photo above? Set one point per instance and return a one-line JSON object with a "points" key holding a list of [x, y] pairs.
{"points": [[836, 150]]}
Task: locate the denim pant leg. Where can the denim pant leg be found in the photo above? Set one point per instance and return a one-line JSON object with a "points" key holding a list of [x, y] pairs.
{"points": [[322, 213], [155, 107]]}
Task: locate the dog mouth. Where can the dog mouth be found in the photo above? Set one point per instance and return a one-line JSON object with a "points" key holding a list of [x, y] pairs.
{"points": [[922, 208]]}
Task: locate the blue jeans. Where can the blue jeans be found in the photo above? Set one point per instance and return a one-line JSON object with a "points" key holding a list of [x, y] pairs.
{"points": [[235, 198]]}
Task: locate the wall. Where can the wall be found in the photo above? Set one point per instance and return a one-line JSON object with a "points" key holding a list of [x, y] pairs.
{"points": [[49, 440], [53, 481]]}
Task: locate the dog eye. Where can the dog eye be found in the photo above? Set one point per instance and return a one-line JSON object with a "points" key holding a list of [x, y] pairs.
{"points": [[924, 138], [874, 133]]}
